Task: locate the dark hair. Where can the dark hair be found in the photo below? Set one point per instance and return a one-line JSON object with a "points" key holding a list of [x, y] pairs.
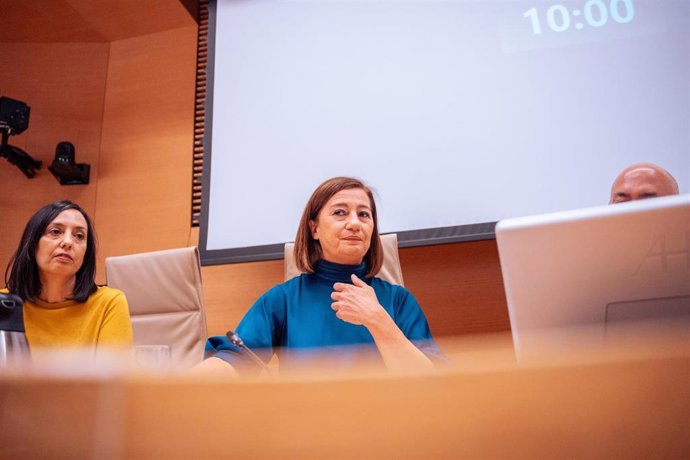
{"points": [[23, 272], [308, 250]]}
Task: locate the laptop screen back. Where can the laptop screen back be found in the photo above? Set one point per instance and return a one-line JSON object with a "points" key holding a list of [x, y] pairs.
{"points": [[596, 266]]}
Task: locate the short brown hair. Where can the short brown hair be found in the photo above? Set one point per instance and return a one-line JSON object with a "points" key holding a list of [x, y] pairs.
{"points": [[308, 250]]}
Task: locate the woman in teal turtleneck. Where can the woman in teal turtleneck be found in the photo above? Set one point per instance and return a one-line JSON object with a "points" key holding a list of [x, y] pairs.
{"points": [[337, 301]]}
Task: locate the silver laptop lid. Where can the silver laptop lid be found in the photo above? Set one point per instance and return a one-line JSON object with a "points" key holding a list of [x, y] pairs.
{"points": [[596, 266]]}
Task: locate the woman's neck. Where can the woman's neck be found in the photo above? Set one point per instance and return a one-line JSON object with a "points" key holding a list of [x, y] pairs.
{"points": [[332, 272], [56, 289]]}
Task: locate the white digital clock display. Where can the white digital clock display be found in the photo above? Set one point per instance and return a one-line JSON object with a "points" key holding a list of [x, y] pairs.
{"points": [[529, 25], [594, 13]]}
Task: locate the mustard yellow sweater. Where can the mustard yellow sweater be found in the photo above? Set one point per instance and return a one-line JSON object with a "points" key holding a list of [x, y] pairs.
{"points": [[101, 321]]}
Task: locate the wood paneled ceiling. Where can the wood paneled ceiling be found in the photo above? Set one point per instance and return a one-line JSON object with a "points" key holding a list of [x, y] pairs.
{"points": [[41, 21]]}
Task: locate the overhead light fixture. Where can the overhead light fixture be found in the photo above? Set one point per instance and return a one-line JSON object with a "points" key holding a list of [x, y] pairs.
{"points": [[65, 169], [14, 119]]}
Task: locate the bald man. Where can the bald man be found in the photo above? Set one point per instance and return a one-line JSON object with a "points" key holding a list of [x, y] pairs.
{"points": [[642, 180]]}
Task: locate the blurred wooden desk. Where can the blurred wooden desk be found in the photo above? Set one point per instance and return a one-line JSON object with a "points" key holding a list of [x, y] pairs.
{"points": [[629, 407]]}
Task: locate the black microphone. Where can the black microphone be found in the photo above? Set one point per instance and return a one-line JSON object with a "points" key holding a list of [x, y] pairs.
{"points": [[236, 340]]}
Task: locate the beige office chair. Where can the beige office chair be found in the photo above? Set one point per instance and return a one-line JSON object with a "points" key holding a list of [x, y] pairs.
{"points": [[390, 270], [165, 297]]}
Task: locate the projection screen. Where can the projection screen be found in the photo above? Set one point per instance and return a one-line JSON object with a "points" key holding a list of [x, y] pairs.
{"points": [[458, 113]]}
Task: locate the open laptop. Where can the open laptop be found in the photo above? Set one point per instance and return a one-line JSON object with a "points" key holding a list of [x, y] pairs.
{"points": [[597, 267]]}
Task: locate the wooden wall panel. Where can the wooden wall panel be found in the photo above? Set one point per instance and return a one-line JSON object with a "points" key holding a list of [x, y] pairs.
{"points": [[81, 21], [229, 290], [64, 84], [459, 286], [144, 188], [121, 19]]}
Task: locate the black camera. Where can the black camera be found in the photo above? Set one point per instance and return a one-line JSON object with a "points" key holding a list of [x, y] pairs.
{"points": [[14, 119], [65, 169]]}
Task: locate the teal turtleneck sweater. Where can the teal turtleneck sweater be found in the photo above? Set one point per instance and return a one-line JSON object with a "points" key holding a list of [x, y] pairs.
{"points": [[295, 319]]}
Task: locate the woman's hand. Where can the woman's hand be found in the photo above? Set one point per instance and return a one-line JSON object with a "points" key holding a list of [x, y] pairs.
{"points": [[356, 303]]}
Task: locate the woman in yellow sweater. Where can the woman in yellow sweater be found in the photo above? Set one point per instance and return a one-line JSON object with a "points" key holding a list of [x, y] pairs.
{"points": [[53, 271]]}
